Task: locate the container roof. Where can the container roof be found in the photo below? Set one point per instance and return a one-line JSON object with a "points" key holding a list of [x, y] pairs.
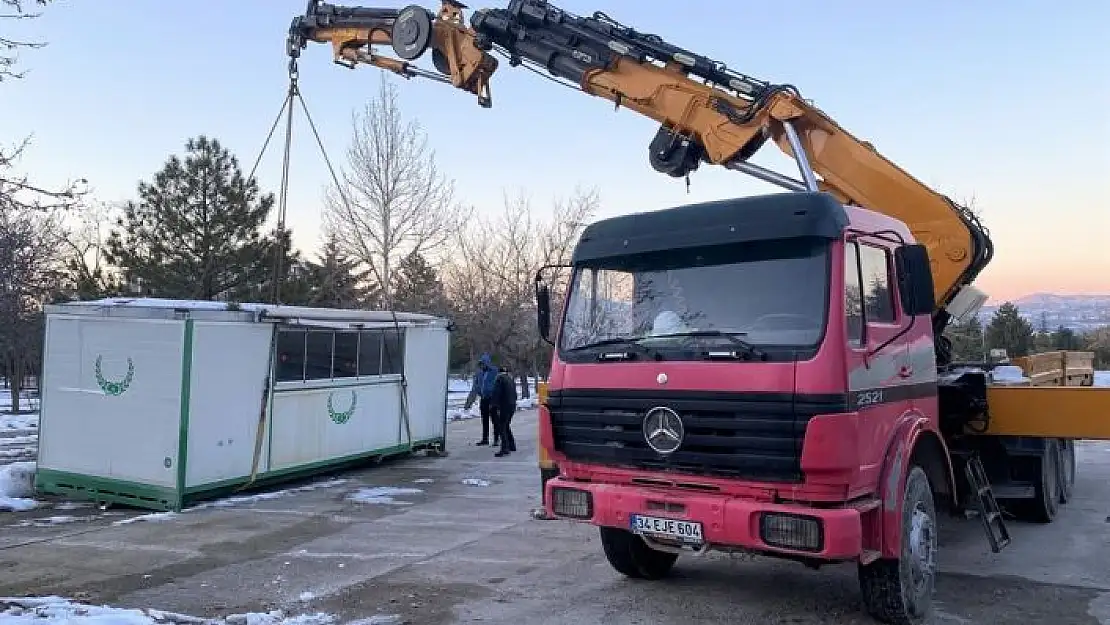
{"points": [[270, 311]]}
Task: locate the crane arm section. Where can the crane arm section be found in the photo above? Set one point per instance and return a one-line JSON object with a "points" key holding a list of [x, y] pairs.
{"points": [[707, 112]]}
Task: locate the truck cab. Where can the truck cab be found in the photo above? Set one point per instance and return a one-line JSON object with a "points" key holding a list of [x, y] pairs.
{"points": [[749, 374]]}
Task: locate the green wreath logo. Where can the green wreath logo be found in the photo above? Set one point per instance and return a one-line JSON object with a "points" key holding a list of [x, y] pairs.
{"points": [[114, 388], [341, 417]]}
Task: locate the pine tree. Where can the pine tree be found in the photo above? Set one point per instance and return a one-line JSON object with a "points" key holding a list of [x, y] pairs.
{"points": [[1098, 341], [967, 340], [417, 287], [1065, 339], [334, 281], [1010, 331], [196, 231]]}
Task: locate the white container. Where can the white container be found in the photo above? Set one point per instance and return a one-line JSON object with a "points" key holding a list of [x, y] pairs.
{"points": [[159, 403]]}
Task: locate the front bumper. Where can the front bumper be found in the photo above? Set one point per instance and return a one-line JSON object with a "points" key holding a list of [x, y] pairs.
{"points": [[727, 522]]}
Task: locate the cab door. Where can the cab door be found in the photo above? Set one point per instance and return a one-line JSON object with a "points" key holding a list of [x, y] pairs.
{"points": [[878, 368]]}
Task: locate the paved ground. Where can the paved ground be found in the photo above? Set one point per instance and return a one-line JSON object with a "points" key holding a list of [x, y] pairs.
{"points": [[465, 550]]}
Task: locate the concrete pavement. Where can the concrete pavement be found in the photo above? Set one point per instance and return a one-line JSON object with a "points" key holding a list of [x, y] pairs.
{"points": [[463, 549]]}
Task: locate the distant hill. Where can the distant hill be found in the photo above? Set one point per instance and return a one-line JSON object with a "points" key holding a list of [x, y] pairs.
{"points": [[1078, 312]]}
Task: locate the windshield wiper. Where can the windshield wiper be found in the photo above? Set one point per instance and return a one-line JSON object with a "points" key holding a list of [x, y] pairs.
{"points": [[632, 342], [733, 337]]}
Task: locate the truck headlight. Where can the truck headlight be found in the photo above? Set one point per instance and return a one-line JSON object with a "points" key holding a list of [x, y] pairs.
{"points": [[791, 531], [571, 502]]}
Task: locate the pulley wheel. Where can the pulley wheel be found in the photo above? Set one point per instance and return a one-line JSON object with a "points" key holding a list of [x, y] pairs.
{"points": [[412, 32]]}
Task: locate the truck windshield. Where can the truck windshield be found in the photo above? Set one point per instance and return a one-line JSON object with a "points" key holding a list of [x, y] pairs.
{"points": [[770, 294]]}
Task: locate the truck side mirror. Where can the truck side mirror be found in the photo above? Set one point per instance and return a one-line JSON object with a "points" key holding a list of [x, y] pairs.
{"points": [[543, 309], [915, 279]]}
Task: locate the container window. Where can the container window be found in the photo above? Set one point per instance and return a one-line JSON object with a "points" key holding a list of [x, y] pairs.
{"points": [[346, 355], [370, 353], [290, 356], [394, 356], [319, 355]]}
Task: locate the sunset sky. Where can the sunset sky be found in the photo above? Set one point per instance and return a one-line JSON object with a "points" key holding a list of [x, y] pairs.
{"points": [[1008, 105]]}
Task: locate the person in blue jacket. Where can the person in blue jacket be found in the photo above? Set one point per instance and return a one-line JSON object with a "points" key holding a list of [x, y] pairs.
{"points": [[482, 388]]}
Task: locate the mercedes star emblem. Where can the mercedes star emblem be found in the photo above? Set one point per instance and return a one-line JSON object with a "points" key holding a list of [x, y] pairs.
{"points": [[663, 430]]}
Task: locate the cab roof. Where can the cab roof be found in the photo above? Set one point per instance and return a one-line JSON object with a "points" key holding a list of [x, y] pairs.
{"points": [[789, 215]]}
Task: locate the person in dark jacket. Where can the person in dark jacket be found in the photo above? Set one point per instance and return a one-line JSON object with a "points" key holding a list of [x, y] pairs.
{"points": [[482, 388], [503, 406]]}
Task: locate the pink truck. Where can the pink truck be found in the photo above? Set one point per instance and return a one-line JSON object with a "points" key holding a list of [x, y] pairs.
{"points": [[759, 375]]}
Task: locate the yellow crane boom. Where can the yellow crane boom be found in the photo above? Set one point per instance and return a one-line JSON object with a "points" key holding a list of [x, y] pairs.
{"points": [[707, 113]]}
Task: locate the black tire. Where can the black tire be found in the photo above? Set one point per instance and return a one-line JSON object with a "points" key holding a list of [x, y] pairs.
{"points": [[900, 592], [630, 555], [1046, 499], [1067, 470]]}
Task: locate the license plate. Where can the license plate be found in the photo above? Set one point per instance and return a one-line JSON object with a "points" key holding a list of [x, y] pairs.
{"points": [[685, 531]]}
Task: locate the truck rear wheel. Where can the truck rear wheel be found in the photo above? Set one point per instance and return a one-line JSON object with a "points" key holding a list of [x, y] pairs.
{"points": [[1046, 498], [630, 555], [1067, 470], [900, 592]]}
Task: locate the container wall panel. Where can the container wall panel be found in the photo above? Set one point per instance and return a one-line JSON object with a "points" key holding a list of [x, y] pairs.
{"points": [[426, 373], [320, 425], [229, 369], [112, 398]]}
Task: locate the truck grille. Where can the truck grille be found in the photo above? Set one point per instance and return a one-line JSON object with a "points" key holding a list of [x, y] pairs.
{"points": [[748, 435]]}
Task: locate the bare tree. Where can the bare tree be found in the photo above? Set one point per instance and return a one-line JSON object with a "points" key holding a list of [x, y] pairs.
{"points": [[86, 252], [30, 275], [30, 232], [393, 201], [491, 279], [16, 193], [14, 10]]}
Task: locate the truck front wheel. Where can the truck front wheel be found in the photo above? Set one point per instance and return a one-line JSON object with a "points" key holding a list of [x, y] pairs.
{"points": [[900, 592], [630, 555]]}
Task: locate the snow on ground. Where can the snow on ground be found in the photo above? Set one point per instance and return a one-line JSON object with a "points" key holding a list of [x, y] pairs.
{"points": [[19, 436], [57, 610], [63, 519], [17, 486], [383, 495], [237, 500], [459, 388]]}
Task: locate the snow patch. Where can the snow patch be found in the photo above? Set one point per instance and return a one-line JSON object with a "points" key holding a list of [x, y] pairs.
{"points": [[233, 501], [242, 499], [154, 516], [379, 619], [474, 481], [17, 487], [21, 421], [54, 610], [424, 480], [1102, 378], [382, 495], [1008, 374], [51, 521], [1099, 607]]}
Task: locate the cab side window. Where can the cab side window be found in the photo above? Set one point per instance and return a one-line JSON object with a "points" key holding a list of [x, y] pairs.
{"points": [[878, 297], [853, 294], [868, 297]]}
